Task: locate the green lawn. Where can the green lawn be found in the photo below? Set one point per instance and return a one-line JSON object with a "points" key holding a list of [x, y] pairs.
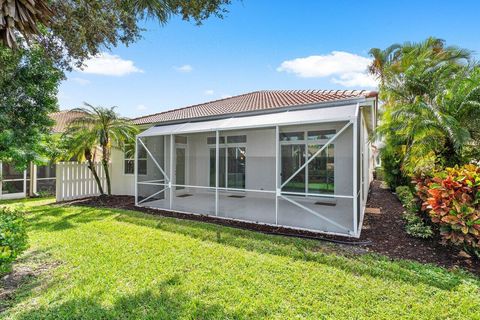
{"points": [[128, 265]]}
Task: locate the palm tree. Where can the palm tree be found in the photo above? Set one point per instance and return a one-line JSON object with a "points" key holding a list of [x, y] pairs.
{"points": [[22, 16], [428, 94], [103, 128], [81, 145], [382, 59]]}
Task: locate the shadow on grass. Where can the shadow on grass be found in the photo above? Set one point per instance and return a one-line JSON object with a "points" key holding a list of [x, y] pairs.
{"points": [[27, 201], [169, 302], [308, 250], [58, 218]]}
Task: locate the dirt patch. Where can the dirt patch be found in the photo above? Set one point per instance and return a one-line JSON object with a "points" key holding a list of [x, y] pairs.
{"points": [[24, 272], [383, 230]]}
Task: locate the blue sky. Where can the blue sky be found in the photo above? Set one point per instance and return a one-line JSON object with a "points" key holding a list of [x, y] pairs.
{"points": [[262, 45]]}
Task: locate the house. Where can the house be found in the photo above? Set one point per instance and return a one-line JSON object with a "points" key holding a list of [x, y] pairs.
{"points": [[16, 184], [294, 158]]}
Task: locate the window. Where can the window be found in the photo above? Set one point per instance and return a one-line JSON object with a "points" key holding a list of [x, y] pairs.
{"points": [[292, 136], [321, 134], [181, 139], [229, 139], [318, 176], [129, 160], [236, 139]]}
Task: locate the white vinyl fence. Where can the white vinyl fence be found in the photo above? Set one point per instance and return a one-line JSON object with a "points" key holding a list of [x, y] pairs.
{"points": [[76, 181]]}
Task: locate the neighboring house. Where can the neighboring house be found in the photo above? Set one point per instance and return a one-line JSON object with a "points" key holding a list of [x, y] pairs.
{"points": [[295, 158], [36, 179]]}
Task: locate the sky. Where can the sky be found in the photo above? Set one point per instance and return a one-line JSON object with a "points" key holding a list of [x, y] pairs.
{"points": [[262, 45]]}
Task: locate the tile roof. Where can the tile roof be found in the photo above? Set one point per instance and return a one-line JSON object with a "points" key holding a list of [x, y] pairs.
{"points": [[254, 101], [62, 118]]}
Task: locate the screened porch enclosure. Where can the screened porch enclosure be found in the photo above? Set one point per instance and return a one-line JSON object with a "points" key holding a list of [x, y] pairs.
{"points": [[297, 174]]}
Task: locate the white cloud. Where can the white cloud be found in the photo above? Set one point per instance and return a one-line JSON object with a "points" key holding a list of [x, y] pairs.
{"points": [[209, 92], [342, 68], [109, 65], [141, 107], [81, 81], [184, 69], [356, 80]]}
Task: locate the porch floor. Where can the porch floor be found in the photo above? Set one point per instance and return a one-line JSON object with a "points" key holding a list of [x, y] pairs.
{"points": [[261, 209]]}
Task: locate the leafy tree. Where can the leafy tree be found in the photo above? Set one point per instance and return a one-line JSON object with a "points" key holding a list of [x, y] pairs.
{"points": [[28, 89], [73, 30], [103, 128], [430, 93]]}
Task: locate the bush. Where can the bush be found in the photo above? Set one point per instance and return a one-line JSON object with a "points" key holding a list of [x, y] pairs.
{"points": [[414, 224], [416, 227], [452, 200], [406, 197], [392, 167], [13, 237]]}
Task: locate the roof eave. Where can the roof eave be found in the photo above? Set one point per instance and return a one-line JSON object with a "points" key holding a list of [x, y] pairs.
{"points": [[267, 111]]}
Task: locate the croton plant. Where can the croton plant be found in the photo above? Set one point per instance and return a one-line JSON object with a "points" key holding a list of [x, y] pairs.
{"points": [[452, 200]]}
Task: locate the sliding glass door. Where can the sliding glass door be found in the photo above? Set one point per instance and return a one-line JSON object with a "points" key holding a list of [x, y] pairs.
{"points": [[320, 170], [236, 167], [180, 167], [296, 149], [232, 167], [293, 157], [221, 170]]}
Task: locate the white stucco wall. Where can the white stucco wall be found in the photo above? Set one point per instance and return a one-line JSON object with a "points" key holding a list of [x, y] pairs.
{"points": [[122, 184]]}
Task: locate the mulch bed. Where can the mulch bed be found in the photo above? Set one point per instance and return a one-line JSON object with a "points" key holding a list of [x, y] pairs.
{"points": [[382, 232], [386, 230]]}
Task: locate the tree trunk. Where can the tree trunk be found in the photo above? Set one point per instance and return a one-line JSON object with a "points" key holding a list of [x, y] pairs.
{"points": [[91, 166], [105, 157], [107, 176]]}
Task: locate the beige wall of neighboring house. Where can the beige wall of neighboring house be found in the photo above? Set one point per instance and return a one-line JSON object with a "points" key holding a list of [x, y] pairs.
{"points": [[122, 183]]}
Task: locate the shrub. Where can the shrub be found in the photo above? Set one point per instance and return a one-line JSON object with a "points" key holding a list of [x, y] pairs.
{"points": [[452, 200], [416, 227], [392, 167], [414, 224], [407, 198], [13, 237]]}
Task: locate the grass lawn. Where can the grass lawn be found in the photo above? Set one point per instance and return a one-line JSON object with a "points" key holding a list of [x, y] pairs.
{"points": [[128, 265]]}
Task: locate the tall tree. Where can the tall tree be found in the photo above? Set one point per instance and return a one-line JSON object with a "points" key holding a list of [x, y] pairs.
{"points": [[103, 128], [428, 93], [382, 59], [28, 89], [81, 145], [73, 30]]}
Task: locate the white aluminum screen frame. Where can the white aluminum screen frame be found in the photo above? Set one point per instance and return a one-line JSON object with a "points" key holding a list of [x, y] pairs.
{"points": [[351, 117]]}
